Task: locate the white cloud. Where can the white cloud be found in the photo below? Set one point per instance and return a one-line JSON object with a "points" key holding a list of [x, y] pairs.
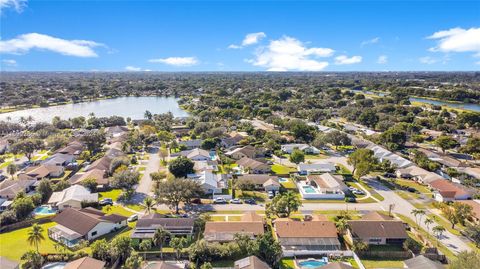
{"points": [[132, 68], [18, 5], [233, 46], [288, 53], [457, 40], [382, 59], [427, 60], [253, 38], [176, 61], [370, 41], [9, 62], [24, 43], [343, 59]]}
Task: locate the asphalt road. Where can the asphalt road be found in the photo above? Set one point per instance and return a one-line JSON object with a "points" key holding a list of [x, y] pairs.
{"points": [[153, 165]]}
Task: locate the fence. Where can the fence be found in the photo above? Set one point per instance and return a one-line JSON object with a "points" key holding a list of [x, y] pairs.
{"points": [[24, 224]]}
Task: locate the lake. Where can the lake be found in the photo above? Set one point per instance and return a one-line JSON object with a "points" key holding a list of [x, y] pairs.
{"points": [[133, 107]]}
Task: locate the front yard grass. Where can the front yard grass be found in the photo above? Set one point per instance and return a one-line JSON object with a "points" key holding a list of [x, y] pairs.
{"points": [[112, 194], [117, 209], [377, 263]]}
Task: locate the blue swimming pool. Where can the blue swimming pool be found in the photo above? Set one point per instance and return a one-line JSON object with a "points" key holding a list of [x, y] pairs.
{"points": [[311, 264], [309, 189], [44, 210], [56, 265]]}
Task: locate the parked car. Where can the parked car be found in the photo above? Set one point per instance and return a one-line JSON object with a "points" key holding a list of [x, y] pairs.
{"points": [[2, 178], [389, 175], [250, 201], [132, 218], [106, 201], [236, 201], [220, 200], [196, 201], [270, 194]]}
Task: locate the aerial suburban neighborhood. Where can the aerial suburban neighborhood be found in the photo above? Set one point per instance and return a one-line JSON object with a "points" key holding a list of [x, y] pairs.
{"points": [[235, 134]]}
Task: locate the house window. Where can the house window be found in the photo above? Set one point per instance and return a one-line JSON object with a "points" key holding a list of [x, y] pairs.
{"points": [[94, 233]]}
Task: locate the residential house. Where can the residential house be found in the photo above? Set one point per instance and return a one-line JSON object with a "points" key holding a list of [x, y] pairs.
{"points": [[104, 162], [324, 186], [251, 262], [97, 174], [88, 223], [72, 197], [233, 139], [209, 165], [6, 263], [42, 171], [252, 166], [238, 153], [418, 174], [85, 263], [317, 234], [59, 159], [422, 262], [196, 154], [261, 181], [377, 229], [116, 133], [443, 159], [10, 188], [288, 148], [72, 148], [180, 130], [475, 204], [148, 224], [315, 168], [445, 191], [211, 183], [383, 154], [191, 144], [5, 204], [250, 224]]}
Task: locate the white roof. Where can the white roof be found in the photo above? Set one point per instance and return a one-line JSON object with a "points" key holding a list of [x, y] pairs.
{"points": [[75, 192], [316, 167], [205, 178]]}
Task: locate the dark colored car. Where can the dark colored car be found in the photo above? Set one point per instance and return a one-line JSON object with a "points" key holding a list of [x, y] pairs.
{"points": [[250, 201], [389, 175]]}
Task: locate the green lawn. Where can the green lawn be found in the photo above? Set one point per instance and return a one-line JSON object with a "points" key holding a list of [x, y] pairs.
{"points": [[282, 169], [116, 209], [289, 184], [14, 244], [375, 263], [287, 263], [409, 183], [259, 196], [136, 207], [315, 157], [113, 194]]}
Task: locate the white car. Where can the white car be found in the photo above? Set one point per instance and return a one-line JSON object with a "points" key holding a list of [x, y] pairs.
{"points": [[236, 201], [220, 200], [132, 218]]}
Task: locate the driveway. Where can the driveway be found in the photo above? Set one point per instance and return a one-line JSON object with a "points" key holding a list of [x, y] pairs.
{"points": [[153, 165]]}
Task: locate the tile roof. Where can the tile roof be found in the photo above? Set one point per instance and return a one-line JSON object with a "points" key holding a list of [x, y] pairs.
{"points": [[251, 163], [377, 228], [449, 189], [258, 179], [422, 262], [374, 215], [97, 174], [85, 263], [251, 262], [304, 229]]}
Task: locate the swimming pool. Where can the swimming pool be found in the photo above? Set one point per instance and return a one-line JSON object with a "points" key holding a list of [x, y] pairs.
{"points": [[312, 263], [56, 265], [44, 210], [309, 189]]}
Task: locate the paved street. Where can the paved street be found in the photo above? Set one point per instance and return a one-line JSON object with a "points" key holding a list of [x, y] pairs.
{"points": [[153, 165]]}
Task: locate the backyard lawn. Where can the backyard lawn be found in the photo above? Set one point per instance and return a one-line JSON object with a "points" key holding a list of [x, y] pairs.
{"points": [[282, 169], [373, 263], [14, 244], [113, 194], [289, 184]]}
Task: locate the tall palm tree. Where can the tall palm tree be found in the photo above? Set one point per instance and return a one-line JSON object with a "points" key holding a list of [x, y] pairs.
{"points": [[438, 231], [428, 222], [149, 204], [159, 238], [342, 225], [35, 235]]}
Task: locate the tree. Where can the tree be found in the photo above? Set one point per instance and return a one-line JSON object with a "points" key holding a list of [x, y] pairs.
{"points": [[172, 192], [120, 248], [23, 206], [284, 204], [363, 160], [337, 138], [165, 136], [417, 213], [368, 117], [342, 225], [56, 141], [412, 245], [438, 231], [27, 147], [359, 245], [12, 169], [269, 249], [149, 204], [181, 167], [45, 189], [472, 146], [206, 265], [148, 115], [446, 142], [32, 260], [450, 215], [90, 183], [462, 211], [473, 232], [94, 140], [297, 156], [145, 245], [465, 260], [428, 222], [159, 238], [245, 185], [35, 236], [208, 144], [178, 244], [134, 261], [100, 250], [394, 138], [163, 153], [125, 179]]}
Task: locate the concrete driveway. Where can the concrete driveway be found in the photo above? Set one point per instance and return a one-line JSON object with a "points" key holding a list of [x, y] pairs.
{"points": [[153, 165]]}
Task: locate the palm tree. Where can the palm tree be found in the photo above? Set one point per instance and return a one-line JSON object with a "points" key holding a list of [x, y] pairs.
{"points": [[178, 243], [438, 231], [416, 213], [35, 235], [159, 238], [145, 245], [359, 245], [32, 259], [428, 222], [149, 204], [12, 169], [342, 225]]}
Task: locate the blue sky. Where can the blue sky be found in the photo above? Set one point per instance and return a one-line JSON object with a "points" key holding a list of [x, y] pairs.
{"points": [[239, 36]]}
